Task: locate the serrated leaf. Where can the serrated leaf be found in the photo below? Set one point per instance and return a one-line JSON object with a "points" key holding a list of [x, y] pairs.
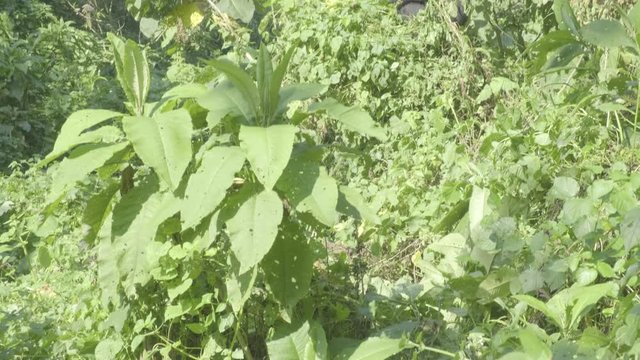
{"points": [[71, 131], [81, 162], [288, 266], [268, 150], [208, 185], [163, 143], [254, 228], [353, 118]]}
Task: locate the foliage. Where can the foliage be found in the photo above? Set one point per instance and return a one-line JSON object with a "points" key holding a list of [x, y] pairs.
{"points": [[48, 69], [489, 207], [176, 203]]}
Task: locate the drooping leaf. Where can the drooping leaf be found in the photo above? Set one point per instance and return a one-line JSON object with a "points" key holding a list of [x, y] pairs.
{"points": [[239, 286], [288, 266], [208, 185], [98, 209], [308, 342], [254, 227], [75, 125], [608, 34], [584, 298], [353, 118], [374, 348], [556, 315], [268, 150], [238, 9], [297, 92], [163, 143], [81, 162]]}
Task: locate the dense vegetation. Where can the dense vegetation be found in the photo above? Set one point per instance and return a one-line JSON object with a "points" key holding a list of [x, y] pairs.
{"points": [[300, 179]]}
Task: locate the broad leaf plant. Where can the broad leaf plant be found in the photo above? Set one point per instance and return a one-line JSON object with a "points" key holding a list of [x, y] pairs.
{"points": [[243, 195]]}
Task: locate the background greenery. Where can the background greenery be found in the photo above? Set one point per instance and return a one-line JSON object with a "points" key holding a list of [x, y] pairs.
{"points": [[500, 217]]}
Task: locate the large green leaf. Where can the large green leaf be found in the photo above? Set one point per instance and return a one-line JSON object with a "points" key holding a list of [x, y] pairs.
{"points": [[98, 209], [374, 348], [565, 16], [308, 342], [264, 76], [242, 81], [208, 185], [607, 34], [276, 84], [71, 133], [296, 92], [238, 9], [288, 266], [353, 118], [163, 143], [107, 260], [564, 188], [81, 162], [322, 200], [137, 252], [225, 100], [268, 150], [133, 71], [254, 228]]}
